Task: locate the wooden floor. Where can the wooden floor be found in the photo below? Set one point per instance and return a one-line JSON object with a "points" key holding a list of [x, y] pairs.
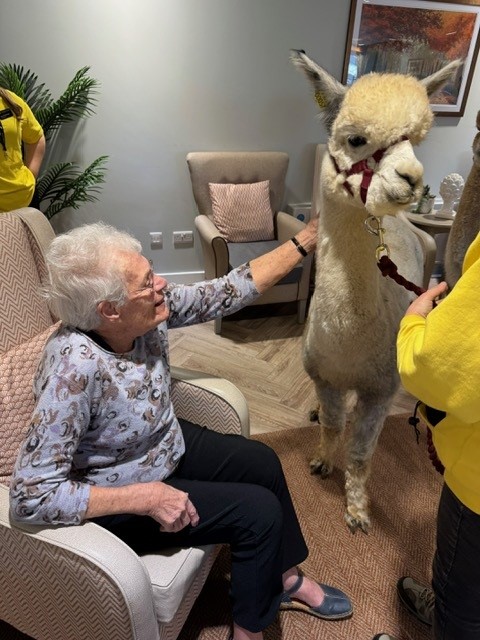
{"points": [[262, 356]]}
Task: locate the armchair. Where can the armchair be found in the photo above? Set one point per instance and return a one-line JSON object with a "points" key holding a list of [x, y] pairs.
{"points": [[219, 254], [82, 582]]}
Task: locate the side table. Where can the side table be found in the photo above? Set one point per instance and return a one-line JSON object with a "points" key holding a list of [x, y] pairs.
{"points": [[433, 225]]}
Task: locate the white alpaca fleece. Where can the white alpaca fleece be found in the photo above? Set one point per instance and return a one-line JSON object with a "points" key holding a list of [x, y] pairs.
{"points": [[371, 109], [350, 336]]}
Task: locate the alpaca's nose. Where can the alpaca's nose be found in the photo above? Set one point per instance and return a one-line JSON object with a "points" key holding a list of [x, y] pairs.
{"points": [[411, 172], [412, 181]]}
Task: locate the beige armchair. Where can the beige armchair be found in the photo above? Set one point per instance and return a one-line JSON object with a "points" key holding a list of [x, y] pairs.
{"points": [[219, 255], [82, 582]]}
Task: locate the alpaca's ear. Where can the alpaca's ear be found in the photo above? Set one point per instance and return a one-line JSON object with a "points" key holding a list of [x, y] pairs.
{"points": [[439, 78], [478, 120], [329, 92]]}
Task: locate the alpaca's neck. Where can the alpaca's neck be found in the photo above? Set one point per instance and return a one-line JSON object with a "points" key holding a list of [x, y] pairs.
{"points": [[347, 273], [344, 239]]}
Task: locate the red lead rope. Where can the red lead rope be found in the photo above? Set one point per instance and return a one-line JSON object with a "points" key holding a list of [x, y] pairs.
{"points": [[389, 268], [432, 452]]}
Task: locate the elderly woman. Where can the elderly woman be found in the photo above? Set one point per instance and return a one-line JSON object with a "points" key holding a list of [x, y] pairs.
{"points": [[104, 442]]}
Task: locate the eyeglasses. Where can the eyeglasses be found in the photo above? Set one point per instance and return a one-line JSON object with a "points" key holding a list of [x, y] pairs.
{"points": [[150, 285]]}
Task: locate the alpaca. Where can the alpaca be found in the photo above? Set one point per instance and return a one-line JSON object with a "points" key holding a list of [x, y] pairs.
{"points": [[466, 223], [369, 169]]}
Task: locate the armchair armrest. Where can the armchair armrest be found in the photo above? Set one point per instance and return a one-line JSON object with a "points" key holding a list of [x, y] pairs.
{"points": [[209, 401], [287, 226], [214, 247], [72, 582]]}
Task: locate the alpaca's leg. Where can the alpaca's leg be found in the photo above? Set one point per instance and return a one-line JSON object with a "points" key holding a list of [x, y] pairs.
{"points": [[331, 416], [367, 424]]}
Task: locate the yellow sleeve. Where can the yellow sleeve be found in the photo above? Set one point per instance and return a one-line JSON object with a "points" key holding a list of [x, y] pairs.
{"points": [[439, 357]]}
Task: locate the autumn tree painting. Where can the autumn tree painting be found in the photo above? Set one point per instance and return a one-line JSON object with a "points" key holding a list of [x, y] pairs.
{"points": [[411, 39]]}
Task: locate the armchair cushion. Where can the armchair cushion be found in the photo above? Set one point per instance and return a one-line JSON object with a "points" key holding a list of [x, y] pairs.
{"points": [[172, 572], [17, 368], [242, 212]]}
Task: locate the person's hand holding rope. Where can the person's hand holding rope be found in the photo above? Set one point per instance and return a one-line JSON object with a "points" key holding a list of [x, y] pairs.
{"points": [[422, 305]]}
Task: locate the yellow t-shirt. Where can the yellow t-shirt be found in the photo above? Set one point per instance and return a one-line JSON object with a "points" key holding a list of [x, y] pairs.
{"points": [[439, 363], [17, 182]]}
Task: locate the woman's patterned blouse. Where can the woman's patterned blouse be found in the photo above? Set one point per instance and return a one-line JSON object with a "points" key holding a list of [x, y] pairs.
{"points": [[106, 419]]}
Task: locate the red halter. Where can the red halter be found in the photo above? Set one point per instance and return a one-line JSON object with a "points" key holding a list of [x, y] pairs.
{"points": [[367, 167]]}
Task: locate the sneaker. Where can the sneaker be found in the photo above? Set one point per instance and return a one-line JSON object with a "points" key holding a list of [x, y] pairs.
{"points": [[417, 598]]}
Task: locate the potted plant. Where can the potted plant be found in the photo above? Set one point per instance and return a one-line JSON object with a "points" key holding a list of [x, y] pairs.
{"points": [[63, 184], [425, 202]]}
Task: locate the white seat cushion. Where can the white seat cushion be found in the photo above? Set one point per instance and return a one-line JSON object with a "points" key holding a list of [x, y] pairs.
{"points": [[172, 572]]}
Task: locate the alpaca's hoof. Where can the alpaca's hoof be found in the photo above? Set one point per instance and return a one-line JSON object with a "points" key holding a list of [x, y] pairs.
{"points": [[313, 415], [321, 467], [359, 521]]}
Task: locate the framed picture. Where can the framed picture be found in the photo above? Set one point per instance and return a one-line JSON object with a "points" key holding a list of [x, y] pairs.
{"points": [[417, 37]]}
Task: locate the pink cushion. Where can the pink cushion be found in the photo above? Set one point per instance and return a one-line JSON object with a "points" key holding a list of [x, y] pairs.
{"points": [[242, 212], [17, 369]]}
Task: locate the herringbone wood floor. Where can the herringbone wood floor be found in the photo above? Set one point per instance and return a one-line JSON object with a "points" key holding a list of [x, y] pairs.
{"points": [[262, 356]]}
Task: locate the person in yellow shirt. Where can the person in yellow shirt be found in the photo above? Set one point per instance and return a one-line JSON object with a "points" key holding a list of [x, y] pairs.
{"points": [[438, 353], [19, 166]]}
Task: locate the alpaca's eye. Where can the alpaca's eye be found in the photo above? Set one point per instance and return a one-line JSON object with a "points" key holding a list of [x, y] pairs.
{"points": [[357, 141]]}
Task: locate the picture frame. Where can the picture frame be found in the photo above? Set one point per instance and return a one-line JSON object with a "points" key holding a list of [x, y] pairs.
{"points": [[417, 37]]}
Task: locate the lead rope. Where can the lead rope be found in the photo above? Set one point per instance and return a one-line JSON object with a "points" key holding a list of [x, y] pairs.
{"points": [[432, 452], [389, 268], [384, 263]]}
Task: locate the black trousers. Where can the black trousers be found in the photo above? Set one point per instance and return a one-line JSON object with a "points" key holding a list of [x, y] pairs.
{"points": [[456, 571], [239, 490]]}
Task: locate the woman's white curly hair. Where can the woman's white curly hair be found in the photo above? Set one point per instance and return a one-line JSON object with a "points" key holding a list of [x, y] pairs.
{"points": [[82, 272]]}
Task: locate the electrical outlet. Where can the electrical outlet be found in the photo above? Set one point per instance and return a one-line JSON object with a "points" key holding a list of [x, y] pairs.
{"points": [[156, 239], [182, 238]]}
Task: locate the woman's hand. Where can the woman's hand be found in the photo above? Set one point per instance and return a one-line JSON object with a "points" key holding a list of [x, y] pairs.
{"points": [[425, 302], [171, 508], [308, 235]]}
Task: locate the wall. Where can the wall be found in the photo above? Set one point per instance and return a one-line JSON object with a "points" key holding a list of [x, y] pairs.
{"points": [[184, 75]]}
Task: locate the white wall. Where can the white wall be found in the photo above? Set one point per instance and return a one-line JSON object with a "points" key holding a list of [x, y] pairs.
{"points": [[191, 75]]}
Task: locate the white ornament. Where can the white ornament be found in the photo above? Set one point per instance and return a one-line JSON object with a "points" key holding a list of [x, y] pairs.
{"points": [[451, 189]]}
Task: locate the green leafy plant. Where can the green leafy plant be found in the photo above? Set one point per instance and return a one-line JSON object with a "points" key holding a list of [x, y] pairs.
{"points": [[426, 192], [425, 202], [64, 184]]}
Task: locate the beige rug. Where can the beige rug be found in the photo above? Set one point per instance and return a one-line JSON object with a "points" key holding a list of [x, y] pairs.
{"points": [[404, 490]]}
